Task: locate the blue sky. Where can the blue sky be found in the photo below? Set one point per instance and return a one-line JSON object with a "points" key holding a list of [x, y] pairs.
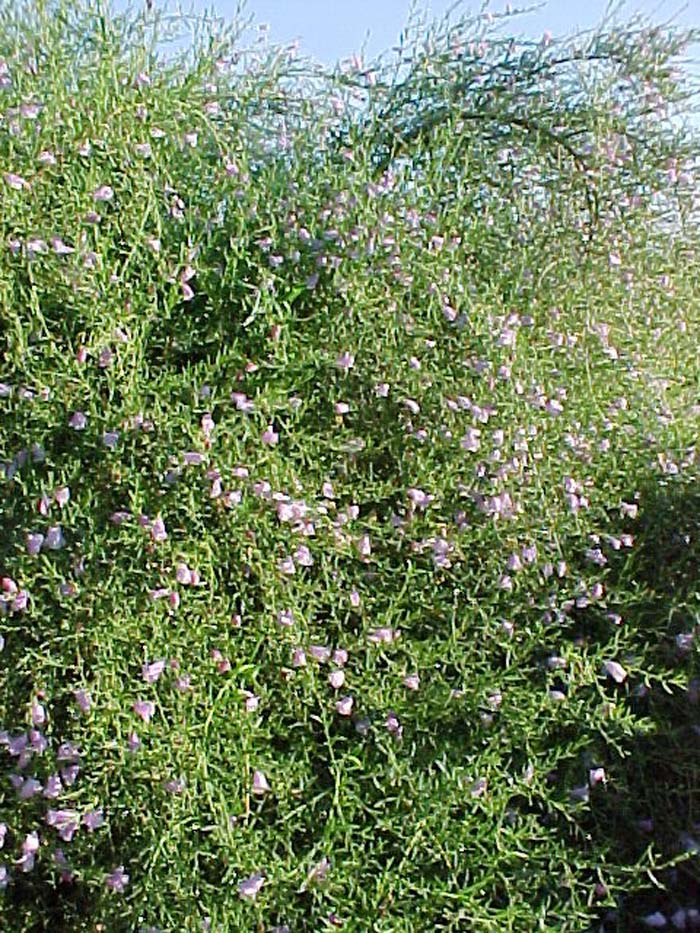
{"points": [[333, 29]]}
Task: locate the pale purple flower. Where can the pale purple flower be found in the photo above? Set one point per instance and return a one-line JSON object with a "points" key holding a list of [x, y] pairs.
{"points": [[151, 672], [597, 776], [183, 574], [28, 788], [145, 709], [250, 887], [133, 742], [4, 881], [270, 437], [69, 774], [30, 110], [54, 540], [38, 713], [411, 681], [3, 833], [384, 635], [62, 862], [53, 787], [303, 557], [655, 921], [30, 847], [393, 725], [470, 441], [285, 617], [419, 498], [260, 783], [35, 246], [243, 403], [103, 193], [355, 599], [336, 679], [286, 566], [65, 822], [158, 532], [382, 390], [252, 702], [78, 421], [344, 706], [175, 785], [110, 439], [320, 653], [364, 546], [59, 247], [299, 658], [62, 496], [34, 541], [117, 880], [15, 181], [615, 670], [345, 360], [340, 657]]}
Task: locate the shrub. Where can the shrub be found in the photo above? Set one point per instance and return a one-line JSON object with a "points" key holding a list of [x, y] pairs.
{"points": [[349, 479]]}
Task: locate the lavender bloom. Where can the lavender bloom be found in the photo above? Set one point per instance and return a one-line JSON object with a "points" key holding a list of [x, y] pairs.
{"points": [[151, 672], [54, 540], [66, 822], [78, 421], [250, 887], [103, 193], [145, 709], [35, 541], [117, 880]]}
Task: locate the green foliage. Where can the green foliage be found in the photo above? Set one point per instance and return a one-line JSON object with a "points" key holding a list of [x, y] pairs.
{"points": [[404, 357]]}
